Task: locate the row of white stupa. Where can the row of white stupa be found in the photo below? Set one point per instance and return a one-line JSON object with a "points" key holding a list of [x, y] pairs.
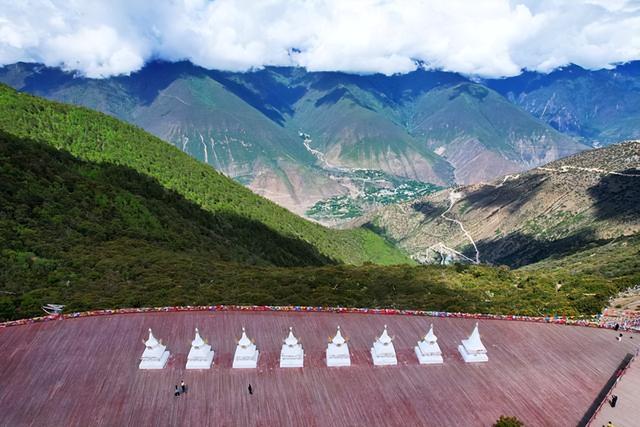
{"points": [[155, 354]]}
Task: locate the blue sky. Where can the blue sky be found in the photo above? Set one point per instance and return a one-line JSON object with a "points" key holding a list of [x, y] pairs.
{"points": [[487, 38]]}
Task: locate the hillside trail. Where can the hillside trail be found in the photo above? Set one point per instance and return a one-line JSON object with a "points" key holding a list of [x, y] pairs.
{"points": [[566, 168], [445, 250], [453, 198]]}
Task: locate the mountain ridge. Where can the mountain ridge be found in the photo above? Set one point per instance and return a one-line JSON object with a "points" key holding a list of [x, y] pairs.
{"points": [[355, 121]]}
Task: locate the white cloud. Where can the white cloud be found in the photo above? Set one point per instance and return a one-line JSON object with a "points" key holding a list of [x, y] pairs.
{"points": [[485, 38]]}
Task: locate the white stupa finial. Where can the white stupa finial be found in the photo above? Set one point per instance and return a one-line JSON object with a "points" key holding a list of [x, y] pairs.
{"points": [[197, 341], [151, 341], [385, 338], [430, 337], [475, 330], [244, 339], [338, 339], [291, 340], [474, 341]]}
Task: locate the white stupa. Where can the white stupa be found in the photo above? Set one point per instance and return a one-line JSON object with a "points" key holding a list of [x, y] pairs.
{"points": [[246, 355], [338, 351], [472, 349], [155, 354], [291, 355], [383, 352], [428, 350], [200, 355]]}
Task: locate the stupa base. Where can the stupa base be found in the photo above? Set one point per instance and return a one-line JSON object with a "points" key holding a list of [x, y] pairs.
{"points": [[383, 360], [434, 359], [470, 357], [248, 363], [201, 363], [292, 363], [155, 363], [338, 360]]}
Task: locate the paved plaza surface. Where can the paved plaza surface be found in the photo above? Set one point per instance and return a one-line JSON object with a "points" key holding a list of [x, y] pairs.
{"points": [[85, 372], [627, 410]]}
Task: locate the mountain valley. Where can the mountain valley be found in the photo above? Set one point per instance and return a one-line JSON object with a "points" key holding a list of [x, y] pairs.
{"points": [[434, 128]]}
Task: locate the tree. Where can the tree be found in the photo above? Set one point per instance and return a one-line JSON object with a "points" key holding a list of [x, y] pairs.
{"points": [[505, 421]]}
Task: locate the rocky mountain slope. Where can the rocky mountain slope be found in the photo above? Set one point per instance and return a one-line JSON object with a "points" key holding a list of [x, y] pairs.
{"points": [[599, 107], [567, 205], [428, 126], [481, 135]]}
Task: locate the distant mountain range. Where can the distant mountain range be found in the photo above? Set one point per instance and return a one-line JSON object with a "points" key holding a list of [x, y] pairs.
{"points": [[597, 107], [300, 138]]}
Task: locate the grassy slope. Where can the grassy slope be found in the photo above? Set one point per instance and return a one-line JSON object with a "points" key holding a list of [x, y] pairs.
{"points": [[52, 201], [96, 137], [618, 260]]}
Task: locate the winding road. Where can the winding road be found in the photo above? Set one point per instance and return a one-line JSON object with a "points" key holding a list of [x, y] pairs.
{"points": [[453, 198]]}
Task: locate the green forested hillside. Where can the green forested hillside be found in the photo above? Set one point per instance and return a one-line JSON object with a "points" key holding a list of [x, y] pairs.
{"points": [[617, 259], [96, 137], [98, 235], [52, 201]]}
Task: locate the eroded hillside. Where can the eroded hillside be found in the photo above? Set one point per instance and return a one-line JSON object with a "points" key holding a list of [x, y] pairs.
{"points": [[586, 199]]}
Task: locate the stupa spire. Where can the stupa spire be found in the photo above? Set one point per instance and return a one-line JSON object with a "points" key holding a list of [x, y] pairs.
{"points": [[383, 351], [291, 355], [154, 355], [197, 341], [246, 355], [244, 340], [291, 340], [151, 341], [430, 337], [428, 350], [338, 339], [201, 353], [472, 349], [338, 350], [385, 338]]}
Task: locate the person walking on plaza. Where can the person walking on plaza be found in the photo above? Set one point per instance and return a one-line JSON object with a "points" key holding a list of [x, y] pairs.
{"points": [[614, 400]]}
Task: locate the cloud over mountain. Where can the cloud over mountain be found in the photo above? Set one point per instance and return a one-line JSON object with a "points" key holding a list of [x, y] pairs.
{"points": [[485, 38]]}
